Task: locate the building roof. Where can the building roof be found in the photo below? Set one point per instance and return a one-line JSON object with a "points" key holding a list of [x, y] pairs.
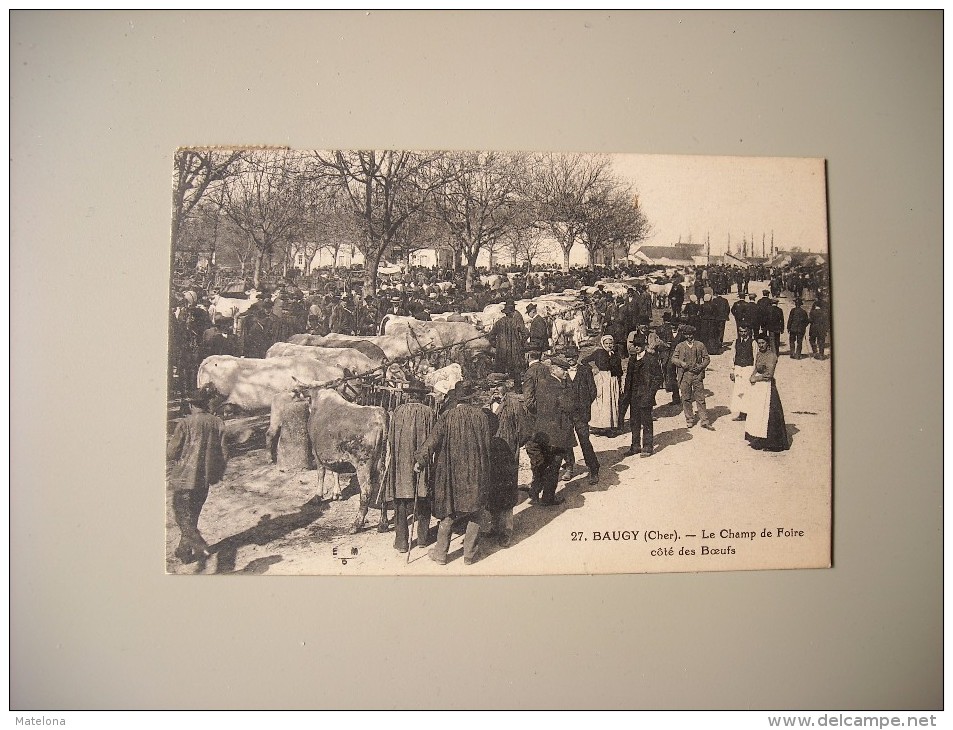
{"points": [[678, 251]]}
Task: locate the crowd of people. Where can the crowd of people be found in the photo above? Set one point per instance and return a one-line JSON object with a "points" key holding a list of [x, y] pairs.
{"points": [[459, 465]]}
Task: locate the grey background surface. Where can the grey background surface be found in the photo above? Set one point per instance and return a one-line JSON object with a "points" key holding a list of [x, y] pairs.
{"points": [[98, 103]]}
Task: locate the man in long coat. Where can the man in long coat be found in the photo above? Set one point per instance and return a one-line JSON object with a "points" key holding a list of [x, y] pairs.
{"points": [[797, 326], [410, 425], [552, 403], [643, 378], [676, 297], [538, 329], [460, 447], [723, 311], [820, 324], [508, 337], [584, 391], [200, 454]]}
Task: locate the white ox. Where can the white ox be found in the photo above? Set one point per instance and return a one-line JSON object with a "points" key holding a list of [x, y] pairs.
{"points": [[252, 383], [393, 346], [570, 328], [341, 357], [447, 333], [231, 308], [660, 292], [444, 379]]}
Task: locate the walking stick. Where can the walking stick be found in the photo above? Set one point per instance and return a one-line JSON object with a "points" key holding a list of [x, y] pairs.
{"points": [[413, 519]]}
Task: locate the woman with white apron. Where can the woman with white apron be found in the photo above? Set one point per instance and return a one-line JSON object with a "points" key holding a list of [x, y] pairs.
{"points": [[765, 427], [607, 372]]}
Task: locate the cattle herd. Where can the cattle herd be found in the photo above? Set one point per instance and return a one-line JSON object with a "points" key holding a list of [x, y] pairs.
{"points": [[254, 359]]}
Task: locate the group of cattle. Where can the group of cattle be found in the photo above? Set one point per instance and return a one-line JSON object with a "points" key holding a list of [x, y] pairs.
{"points": [[344, 435]]}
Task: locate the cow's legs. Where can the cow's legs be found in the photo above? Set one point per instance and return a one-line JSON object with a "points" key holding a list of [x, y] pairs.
{"points": [[364, 486]]}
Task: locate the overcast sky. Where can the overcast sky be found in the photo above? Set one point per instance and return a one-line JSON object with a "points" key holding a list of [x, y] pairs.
{"points": [[742, 196]]}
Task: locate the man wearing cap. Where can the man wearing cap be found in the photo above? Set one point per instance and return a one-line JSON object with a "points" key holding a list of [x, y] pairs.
{"points": [[643, 378], [691, 360], [200, 454], [797, 326], [553, 403], [507, 338], [584, 393], [460, 447], [410, 425]]}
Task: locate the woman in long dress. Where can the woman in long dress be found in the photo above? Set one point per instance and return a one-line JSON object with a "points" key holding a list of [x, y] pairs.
{"points": [[608, 377], [765, 427]]}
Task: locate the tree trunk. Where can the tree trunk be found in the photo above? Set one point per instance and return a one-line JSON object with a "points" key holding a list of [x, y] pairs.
{"points": [[471, 273], [256, 275], [371, 263], [566, 258]]}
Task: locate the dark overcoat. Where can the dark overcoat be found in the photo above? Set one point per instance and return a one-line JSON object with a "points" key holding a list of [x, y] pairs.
{"points": [[508, 336], [554, 403], [504, 477], [199, 450], [460, 447], [642, 379], [410, 425]]}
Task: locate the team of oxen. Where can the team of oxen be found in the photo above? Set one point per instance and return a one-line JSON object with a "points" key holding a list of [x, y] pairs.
{"points": [[345, 436]]}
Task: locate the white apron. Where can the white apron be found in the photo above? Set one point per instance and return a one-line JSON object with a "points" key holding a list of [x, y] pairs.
{"points": [[605, 408], [742, 385], [758, 408]]}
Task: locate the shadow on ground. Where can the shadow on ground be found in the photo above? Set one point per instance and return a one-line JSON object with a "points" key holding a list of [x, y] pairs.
{"points": [[268, 529]]}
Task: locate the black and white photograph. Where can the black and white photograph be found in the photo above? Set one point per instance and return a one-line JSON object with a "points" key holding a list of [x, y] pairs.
{"points": [[392, 362]]}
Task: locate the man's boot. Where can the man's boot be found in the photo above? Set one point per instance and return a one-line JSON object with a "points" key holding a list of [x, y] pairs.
{"points": [[471, 543], [438, 553]]}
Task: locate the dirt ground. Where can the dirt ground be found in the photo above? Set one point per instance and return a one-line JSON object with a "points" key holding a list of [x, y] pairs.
{"points": [[704, 501]]}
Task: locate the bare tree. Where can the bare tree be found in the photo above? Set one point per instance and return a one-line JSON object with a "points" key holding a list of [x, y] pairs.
{"points": [[563, 186], [527, 244], [611, 219], [197, 172], [480, 201], [265, 201], [381, 190]]}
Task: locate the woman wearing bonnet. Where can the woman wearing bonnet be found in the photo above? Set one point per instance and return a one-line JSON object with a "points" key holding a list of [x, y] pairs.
{"points": [[608, 376]]}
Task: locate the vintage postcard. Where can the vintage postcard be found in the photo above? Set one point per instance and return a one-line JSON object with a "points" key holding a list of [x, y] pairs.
{"points": [[497, 363]]}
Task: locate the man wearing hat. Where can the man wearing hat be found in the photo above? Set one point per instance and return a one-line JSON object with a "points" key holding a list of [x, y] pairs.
{"points": [[691, 360], [553, 404], [410, 425], [538, 329], [200, 453], [797, 326], [643, 378], [775, 326], [343, 320], [584, 393], [743, 367], [676, 295], [819, 320], [764, 311], [507, 338], [459, 447], [396, 309]]}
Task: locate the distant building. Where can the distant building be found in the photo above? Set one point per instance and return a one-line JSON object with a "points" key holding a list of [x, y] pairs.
{"points": [[679, 254]]}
